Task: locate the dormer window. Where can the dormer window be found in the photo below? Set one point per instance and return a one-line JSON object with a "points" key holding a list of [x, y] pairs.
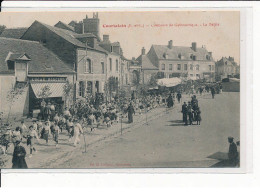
{"points": [[191, 56], [179, 56], [10, 65], [194, 58], [165, 55]]}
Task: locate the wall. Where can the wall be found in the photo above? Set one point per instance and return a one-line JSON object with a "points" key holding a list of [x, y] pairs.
{"points": [[20, 106], [113, 73], [96, 59]]}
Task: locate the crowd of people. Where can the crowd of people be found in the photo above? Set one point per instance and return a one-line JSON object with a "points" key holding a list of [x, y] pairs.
{"points": [[91, 113]]}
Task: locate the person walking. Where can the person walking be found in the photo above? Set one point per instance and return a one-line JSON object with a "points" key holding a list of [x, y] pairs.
{"points": [[56, 133], [179, 97], [46, 132], [19, 154], [213, 92], [31, 139], [130, 111], [77, 131]]}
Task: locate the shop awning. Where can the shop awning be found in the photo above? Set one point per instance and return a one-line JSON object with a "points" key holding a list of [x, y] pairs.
{"points": [[50, 89], [169, 82]]}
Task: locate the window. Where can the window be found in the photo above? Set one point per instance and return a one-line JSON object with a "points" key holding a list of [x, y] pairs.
{"points": [[117, 65], [103, 67], [163, 66], [81, 88], [198, 75], [194, 58], [10, 65], [88, 67], [110, 64], [185, 67], [197, 67], [179, 67], [209, 67], [179, 56], [191, 75], [191, 67], [170, 67]]}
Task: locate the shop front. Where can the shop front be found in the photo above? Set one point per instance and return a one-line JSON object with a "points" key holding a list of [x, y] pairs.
{"points": [[45, 92]]}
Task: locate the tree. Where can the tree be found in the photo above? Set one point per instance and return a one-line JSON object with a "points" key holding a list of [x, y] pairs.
{"points": [[112, 85], [2, 28], [12, 96], [68, 92], [153, 80]]}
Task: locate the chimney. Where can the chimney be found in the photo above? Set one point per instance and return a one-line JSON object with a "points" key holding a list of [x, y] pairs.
{"points": [[105, 38], [92, 42], [194, 46], [143, 51], [170, 44]]}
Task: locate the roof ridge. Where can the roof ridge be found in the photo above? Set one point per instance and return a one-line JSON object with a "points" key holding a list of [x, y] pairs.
{"points": [[22, 40]]}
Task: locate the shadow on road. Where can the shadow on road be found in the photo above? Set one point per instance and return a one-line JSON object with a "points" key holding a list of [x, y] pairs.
{"points": [[224, 164]]}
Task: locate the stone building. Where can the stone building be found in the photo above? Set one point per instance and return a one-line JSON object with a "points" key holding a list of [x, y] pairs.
{"points": [[167, 61], [94, 60], [226, 67], [29, 67]]}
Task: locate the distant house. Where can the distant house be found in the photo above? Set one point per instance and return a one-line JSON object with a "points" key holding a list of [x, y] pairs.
{"points": [[227, 67], [30, 65], [169, 61], [13, 32]]}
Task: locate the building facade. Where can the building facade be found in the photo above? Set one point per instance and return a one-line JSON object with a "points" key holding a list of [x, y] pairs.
{"points": [[188, 63], [226, 67]]}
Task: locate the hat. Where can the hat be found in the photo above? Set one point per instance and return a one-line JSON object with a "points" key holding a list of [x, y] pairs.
{"points": [[230, 137]]}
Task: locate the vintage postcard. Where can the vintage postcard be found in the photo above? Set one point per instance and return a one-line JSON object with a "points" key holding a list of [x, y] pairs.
{"points": [[114, 89]]}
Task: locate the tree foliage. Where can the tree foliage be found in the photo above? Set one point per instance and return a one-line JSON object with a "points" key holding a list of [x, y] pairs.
{"points": [[68, 91]]}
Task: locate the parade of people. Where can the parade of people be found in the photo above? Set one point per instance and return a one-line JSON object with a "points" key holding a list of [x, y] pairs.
{"points": [[90, 114]]}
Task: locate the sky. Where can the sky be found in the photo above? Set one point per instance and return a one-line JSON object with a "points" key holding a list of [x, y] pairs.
{"points": [[219, 31]]}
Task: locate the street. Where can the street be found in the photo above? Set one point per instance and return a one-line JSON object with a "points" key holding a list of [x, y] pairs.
{"points": [[165, 142]]}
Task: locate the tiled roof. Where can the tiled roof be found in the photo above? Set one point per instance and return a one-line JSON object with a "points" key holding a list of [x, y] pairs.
{"points": [[145, 62], [41, 59], [175, 51], [68, 27], [65, 34], [70, 37], [84, 35], [13, 32]]}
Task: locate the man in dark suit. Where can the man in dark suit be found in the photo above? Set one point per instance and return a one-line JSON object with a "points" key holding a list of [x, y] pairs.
{"points": [[184, 113], [232, 152]]}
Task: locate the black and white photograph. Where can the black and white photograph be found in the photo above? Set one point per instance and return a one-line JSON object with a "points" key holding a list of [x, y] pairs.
{"points": [[120, 90]]}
